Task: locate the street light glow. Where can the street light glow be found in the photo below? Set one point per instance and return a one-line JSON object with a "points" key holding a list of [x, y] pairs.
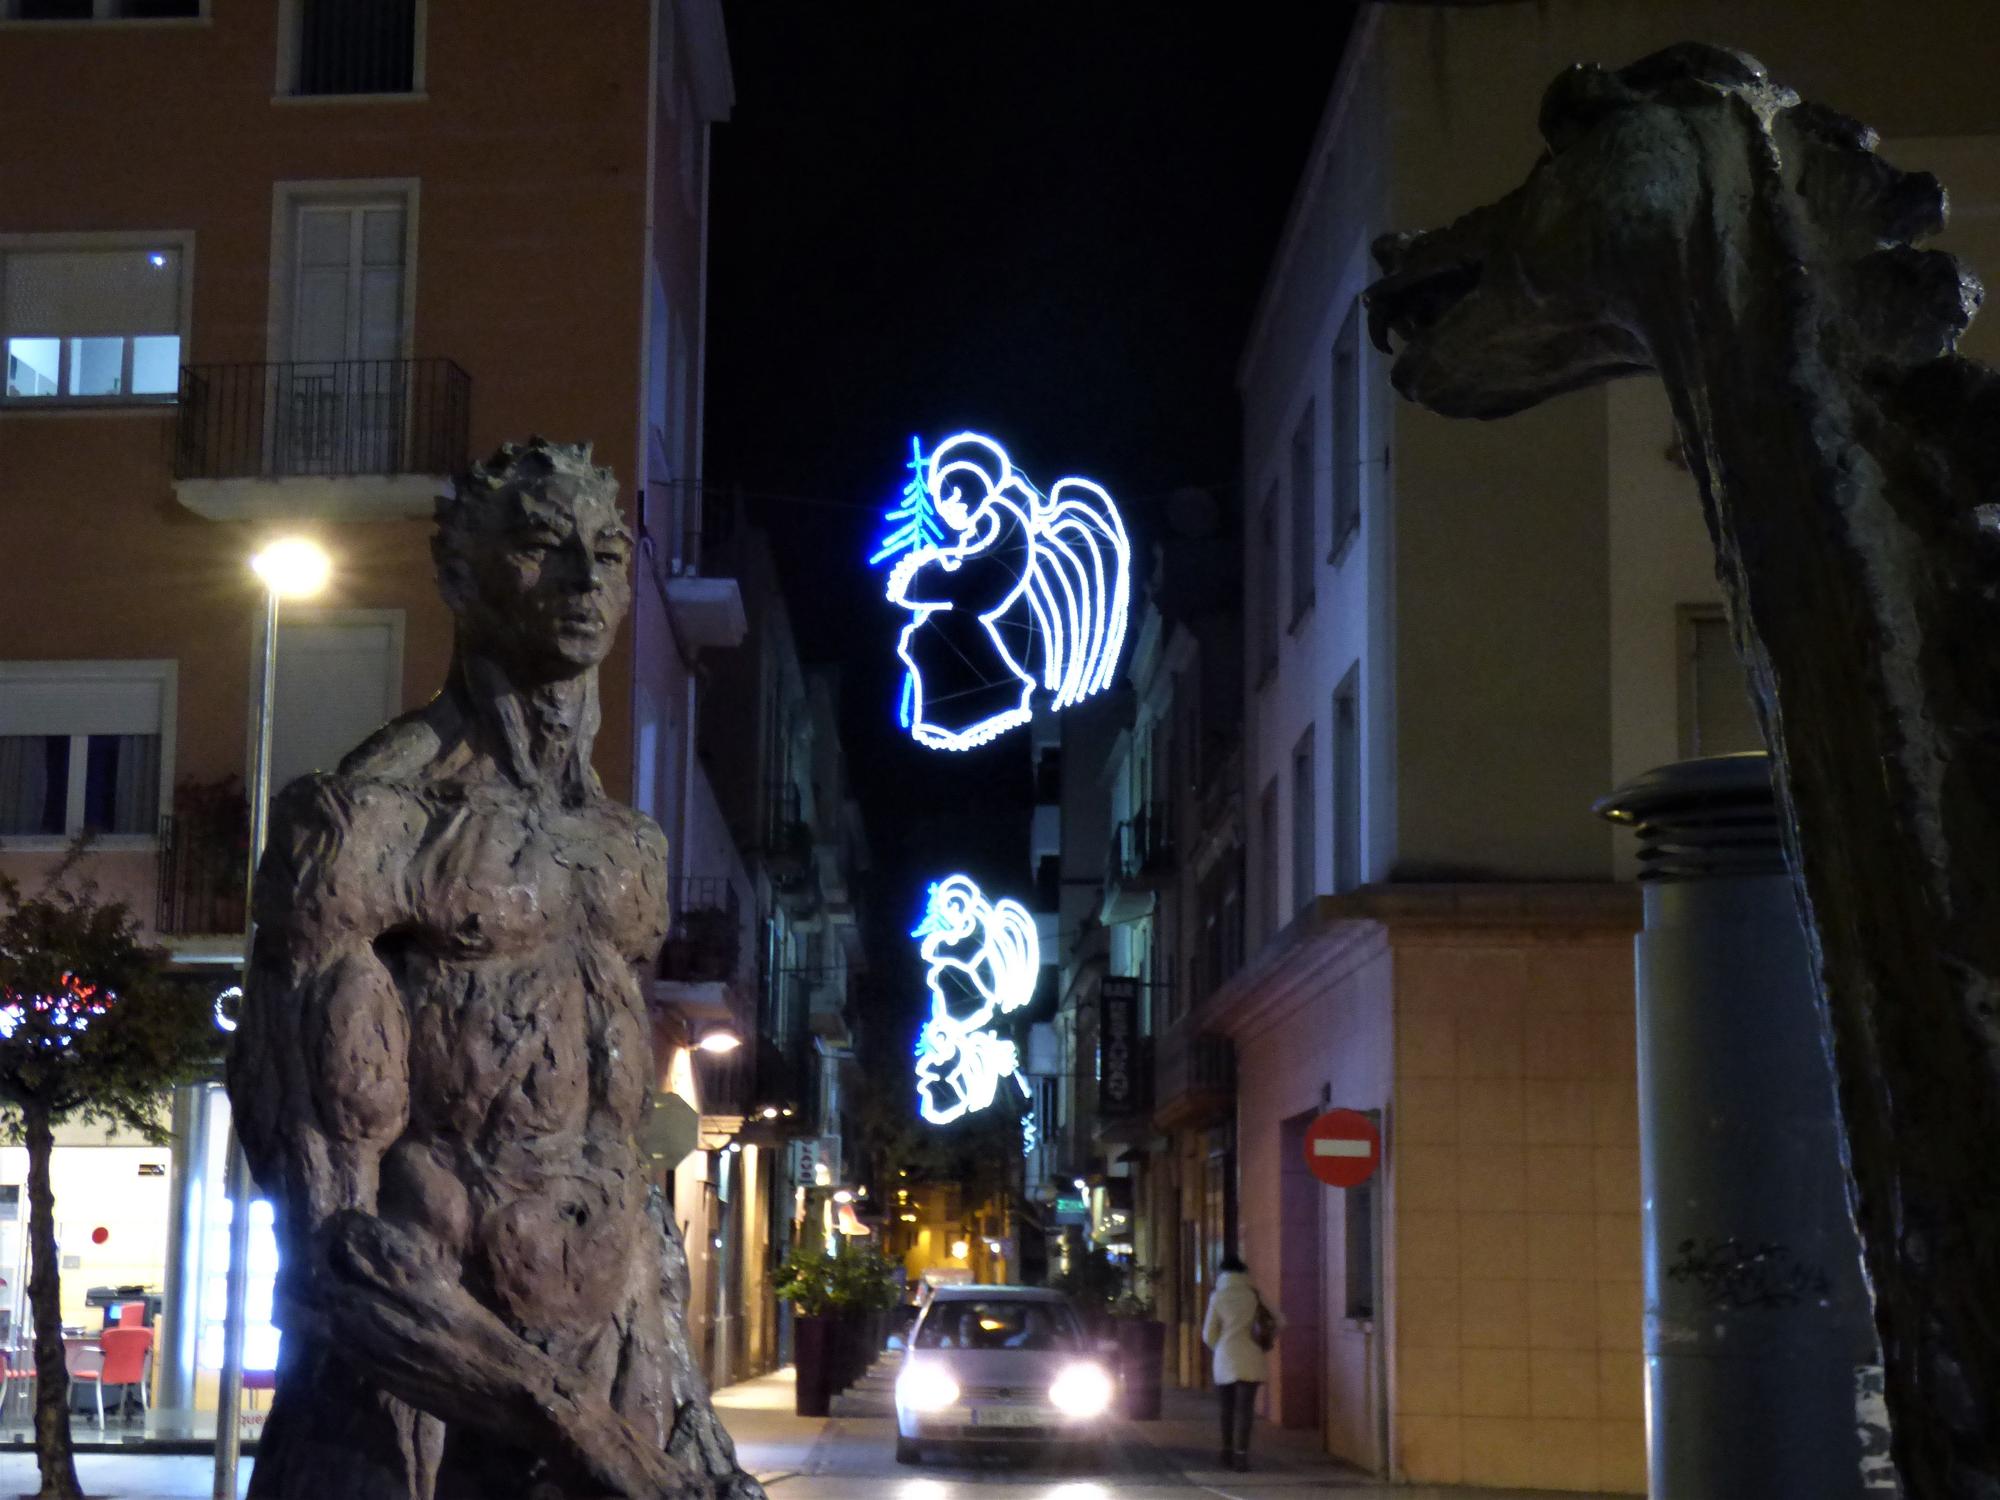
{"points": [[293, 567], [719, 1041]]}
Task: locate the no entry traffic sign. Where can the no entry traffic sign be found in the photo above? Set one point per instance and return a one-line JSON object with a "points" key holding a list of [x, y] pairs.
{"points": [[1343, 1148]]}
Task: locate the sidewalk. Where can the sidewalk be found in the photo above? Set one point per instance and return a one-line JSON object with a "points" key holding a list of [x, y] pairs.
{"points": [[771, 1439], [1189, 1433]]}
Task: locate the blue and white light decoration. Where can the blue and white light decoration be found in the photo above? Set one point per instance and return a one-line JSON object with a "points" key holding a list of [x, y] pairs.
{"points": [[1061, 582], [981, 959]]}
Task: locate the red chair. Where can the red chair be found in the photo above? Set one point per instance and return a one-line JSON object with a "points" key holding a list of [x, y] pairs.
{"points": [[131, 1315], [13, 1376], [122, 1361]]}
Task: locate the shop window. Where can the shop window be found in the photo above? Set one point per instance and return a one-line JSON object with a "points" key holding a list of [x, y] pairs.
{"points": [[92, 323], [83, 750]]}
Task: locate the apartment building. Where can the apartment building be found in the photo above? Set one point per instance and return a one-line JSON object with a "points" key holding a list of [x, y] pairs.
{"points": [[284, 266], [776, 1108], [1458, 636]]}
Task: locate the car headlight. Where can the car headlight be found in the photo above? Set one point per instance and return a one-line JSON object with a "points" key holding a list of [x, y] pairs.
{"points": [[1081, 1391], [925, 1387]]}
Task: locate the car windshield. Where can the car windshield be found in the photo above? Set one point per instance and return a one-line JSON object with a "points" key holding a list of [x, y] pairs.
{"points": [[998, 1324]]}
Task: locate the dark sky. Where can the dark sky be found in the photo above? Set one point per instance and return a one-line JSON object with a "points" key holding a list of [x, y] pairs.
{"points": [[1048, 222]]}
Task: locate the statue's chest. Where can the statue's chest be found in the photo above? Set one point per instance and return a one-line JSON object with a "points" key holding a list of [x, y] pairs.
{"points": [[499, 875]]}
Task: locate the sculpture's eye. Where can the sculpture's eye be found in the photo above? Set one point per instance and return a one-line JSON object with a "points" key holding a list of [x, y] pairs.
{"points": [[611, 559]]}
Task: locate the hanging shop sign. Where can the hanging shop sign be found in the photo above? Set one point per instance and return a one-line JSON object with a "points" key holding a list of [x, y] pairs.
{"points": [[1120, 1088], [1010, 592], [981, 960]]}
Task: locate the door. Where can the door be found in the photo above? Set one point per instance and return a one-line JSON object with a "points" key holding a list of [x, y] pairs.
{"points": [[341, 396], [339, 680]]}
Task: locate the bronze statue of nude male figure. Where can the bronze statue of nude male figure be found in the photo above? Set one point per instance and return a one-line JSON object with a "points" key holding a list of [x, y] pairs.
{"points": [[444, 1057]]}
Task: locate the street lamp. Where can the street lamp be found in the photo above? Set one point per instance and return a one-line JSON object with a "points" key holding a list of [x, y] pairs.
{"points": [[719, 1041], [290, 568]]}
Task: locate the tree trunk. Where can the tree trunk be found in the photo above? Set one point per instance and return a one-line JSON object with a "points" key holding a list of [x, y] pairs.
{"points": [[53, 1450]]}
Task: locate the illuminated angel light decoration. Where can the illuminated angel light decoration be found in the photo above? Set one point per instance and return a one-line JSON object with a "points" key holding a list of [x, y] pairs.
{"points": [[981, 959], [1010, 591]]}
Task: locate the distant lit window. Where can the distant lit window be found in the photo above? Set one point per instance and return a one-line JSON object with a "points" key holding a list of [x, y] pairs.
{"points": [[101, 10], [91, 323], [354, 46], [1344, 430], [1716, 713], [80, 749], [1302, 516]]}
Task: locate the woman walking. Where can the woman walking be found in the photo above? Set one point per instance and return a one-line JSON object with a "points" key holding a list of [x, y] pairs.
{"points": [[1240, 1328]]}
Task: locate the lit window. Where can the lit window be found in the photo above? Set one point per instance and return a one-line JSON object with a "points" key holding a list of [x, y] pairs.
{"points": [[92, 324], [81, 750]]}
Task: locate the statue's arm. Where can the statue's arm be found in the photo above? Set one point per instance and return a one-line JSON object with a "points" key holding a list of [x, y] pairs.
{"points": [[320, 1078]]}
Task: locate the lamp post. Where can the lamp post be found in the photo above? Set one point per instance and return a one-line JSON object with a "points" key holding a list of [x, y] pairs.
{"points": [[291, 568]]}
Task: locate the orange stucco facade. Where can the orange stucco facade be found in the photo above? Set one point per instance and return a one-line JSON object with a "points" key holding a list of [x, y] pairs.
{"points": [[541, 170]]}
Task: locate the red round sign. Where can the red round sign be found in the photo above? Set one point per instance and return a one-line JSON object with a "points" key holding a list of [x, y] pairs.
{"points": [[1343, 1148]]}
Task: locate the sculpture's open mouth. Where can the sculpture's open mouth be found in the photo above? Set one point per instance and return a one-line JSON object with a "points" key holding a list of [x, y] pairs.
{"points": [[1410, 303]]}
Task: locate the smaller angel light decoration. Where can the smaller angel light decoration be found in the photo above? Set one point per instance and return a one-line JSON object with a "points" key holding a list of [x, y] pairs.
{"points": [[1010, 591], [981, 960]]}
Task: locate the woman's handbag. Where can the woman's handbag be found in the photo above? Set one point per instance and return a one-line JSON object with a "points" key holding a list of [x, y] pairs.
{"points": [[1263, 1327]]}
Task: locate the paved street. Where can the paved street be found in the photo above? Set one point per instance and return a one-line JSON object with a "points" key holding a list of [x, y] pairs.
{"points": [[850, 1456]]}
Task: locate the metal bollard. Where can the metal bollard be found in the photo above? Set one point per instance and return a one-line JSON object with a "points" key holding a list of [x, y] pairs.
{"points": [[1763, 1373]]}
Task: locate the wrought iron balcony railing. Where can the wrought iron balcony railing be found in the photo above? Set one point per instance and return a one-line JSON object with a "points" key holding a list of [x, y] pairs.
{"points": [[326, 418], [1142, 845], [705, 932]]}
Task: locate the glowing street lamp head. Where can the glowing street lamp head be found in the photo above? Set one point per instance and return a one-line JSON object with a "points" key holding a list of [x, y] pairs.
{"points": [[1011, 591], [293, 567], [719, 1041]]}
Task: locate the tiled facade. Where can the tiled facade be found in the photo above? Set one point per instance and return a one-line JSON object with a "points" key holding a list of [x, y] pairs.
{"points": [[1516, 1185]]}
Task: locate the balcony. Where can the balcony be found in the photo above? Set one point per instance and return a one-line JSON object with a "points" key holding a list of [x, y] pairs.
{"points": [[703, 954], [826, 1011], [1139, 862], [788, 851], [1195, 1080], [203, 855], [685, 525], [364, 439]]}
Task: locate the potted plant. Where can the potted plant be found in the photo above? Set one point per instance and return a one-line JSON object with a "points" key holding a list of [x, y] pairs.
{"points": [[1142, 1347], [806, 1281]]}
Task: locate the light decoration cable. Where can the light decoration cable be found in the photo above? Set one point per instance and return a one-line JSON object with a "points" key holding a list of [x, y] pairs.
{"points": [[981, 960], [1053, 570]]}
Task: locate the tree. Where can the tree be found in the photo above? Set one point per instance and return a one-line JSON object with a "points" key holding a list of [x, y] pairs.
{"points": [[91, 1029]]}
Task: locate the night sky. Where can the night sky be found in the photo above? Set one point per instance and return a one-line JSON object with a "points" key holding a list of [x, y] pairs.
{"points": [[1049, 222]]}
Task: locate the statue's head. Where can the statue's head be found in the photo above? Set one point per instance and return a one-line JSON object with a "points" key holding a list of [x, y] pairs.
{"points": [[534, 559], [1648, 178]]}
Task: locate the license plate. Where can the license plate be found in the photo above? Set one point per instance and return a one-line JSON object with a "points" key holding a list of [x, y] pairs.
{"points": [[1005, 1416]]}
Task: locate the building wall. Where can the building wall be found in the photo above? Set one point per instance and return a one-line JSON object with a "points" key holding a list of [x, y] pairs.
{"points": [[527, 273], [1319, 1036], [1515, 1201]]}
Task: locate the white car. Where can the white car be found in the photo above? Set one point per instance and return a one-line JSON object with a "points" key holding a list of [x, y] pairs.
{"points": [[994, 1366]]}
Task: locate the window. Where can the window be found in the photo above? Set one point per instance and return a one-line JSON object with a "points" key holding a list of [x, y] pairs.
{"points": [[92, 322], [1265, 600], [1267, 829], [1347, 781], [1716, 713], [1344, 432], [82, 746], [1302, 517], [1360, 1215], [353, 47], [1304, 819], [100, 10]]}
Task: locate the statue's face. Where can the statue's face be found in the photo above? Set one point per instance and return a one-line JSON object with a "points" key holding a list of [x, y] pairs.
{"points": [[541, 579], [1539, 293]]}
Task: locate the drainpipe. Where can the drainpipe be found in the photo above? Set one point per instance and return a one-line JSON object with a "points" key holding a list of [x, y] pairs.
{"points": [[1763, 1373]]}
